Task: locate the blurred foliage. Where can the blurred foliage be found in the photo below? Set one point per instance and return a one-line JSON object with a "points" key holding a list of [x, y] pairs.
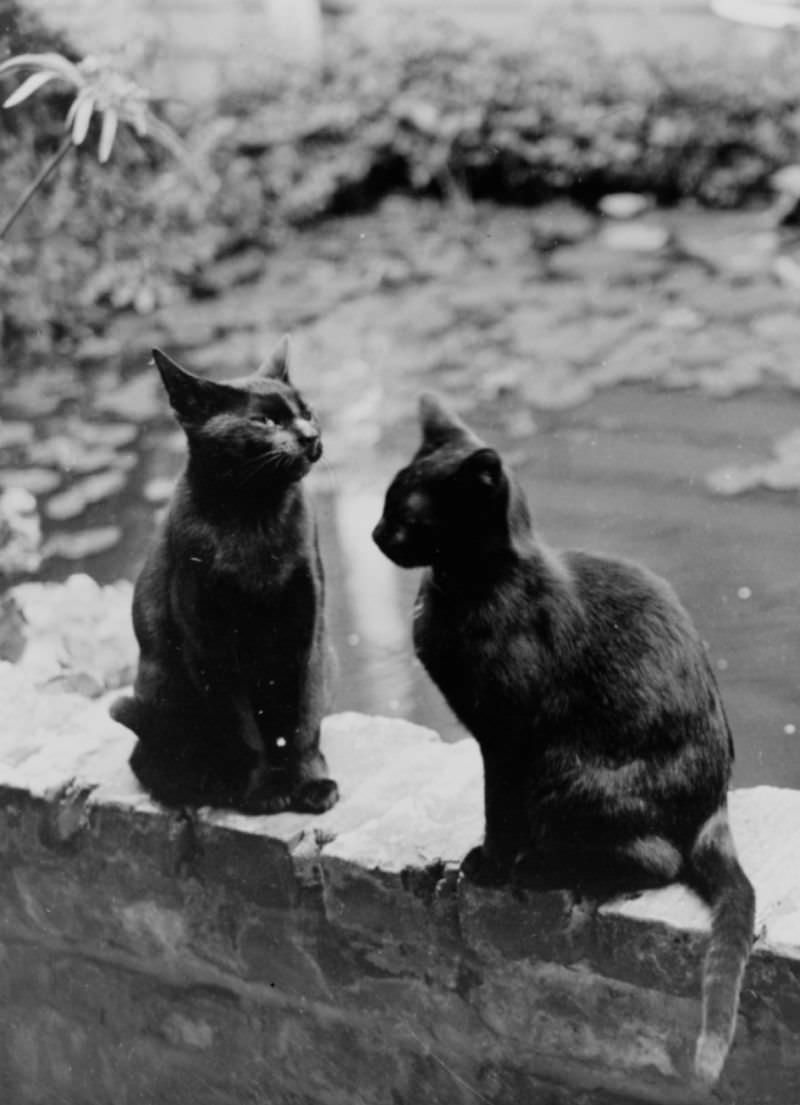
{"points": [[451, 113], [436, 114], [22, 29], [101, 92], [99, 88]]}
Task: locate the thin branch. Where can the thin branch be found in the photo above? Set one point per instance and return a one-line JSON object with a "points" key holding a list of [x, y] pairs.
{"points": [[39, 180]]}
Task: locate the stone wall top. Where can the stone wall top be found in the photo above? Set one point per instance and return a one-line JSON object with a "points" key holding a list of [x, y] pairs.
{"points": [[409, 801]]}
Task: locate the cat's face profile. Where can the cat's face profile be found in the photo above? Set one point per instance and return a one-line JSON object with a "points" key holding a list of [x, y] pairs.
{"points": [[448, 500], [255, 429]]}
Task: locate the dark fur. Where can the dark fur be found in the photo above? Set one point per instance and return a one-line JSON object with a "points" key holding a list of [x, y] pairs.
{"points": [[606, 750], [228, 608]]}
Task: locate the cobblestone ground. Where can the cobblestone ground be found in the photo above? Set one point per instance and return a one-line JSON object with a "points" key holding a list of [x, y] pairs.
{"points": [[641, 375]]}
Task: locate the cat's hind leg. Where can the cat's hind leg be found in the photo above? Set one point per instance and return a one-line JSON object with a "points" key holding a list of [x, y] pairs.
{"points": [[190, 774], [181, 758], [600, 869]]}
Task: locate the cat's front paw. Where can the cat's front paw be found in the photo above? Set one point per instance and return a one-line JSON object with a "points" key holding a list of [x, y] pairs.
{"points": [[265, 800], [484, 869], [315, 796]]}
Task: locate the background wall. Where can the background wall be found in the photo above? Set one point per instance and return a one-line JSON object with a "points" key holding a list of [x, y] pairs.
{"points": [[193, 49]]}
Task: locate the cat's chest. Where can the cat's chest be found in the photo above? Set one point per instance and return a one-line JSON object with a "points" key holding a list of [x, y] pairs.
{"points": [[256, 561], [258, 615], [250, 564], [248, 581], [460, 643], [484, 655]]}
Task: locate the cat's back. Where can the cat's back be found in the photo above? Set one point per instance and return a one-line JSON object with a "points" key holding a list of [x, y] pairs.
{"points": [[625, 601], [641, 655]]}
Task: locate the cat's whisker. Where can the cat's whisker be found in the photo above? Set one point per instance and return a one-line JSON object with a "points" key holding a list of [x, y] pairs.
{"points": [[330, 472], [257, 461], [259, 464]]}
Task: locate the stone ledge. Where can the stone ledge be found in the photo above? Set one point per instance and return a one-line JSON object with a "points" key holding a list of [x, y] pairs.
{"points": [[145, 947]]}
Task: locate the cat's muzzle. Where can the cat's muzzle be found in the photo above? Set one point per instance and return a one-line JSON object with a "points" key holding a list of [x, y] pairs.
{"points": [[394, 546]]}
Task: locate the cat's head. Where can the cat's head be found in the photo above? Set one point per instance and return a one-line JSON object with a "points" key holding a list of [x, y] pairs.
{"points": [[451, 501], [253, 430]]}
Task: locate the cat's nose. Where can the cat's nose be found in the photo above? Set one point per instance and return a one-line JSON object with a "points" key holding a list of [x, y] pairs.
{"points": [[379, 534], [306, 430], [309, 437]]}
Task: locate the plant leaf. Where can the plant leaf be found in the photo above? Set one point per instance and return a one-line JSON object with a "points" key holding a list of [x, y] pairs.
{"points": [[59, 64], [73, 107], [55, 63], [165, 136], [138, 118], [107, 134], [83, 116], [30, 85]]}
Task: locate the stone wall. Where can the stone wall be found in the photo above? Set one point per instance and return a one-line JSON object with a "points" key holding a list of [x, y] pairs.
{"points": [[193, 49], [151, 958]]}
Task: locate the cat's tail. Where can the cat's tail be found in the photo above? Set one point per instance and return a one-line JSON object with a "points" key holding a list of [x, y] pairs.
{"points": [[713, 872]]}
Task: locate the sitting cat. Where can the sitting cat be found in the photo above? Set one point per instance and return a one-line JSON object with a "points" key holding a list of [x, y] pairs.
{"points": [[605, 747], [228, 608]]}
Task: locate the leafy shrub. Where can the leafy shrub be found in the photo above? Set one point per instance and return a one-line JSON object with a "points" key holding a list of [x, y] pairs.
{"points": [[437, 113]]}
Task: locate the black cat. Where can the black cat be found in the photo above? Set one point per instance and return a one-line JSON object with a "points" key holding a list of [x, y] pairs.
{"points": [[606, 750], [228, 608]]}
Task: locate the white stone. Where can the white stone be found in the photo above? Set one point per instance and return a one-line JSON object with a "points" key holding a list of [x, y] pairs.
{"points": [[85, 543], [20, 532], [78, 627], [158, 490], [635, 236], [780, 474], [90, 489], [787, 180], [36, 481], [14, 433], [623, 205], [52, 741]]}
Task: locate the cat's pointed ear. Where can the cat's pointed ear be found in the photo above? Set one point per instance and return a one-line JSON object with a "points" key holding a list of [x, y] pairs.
{"points": [[190, 396], [277, 363], [438, 424], [483, 472]]}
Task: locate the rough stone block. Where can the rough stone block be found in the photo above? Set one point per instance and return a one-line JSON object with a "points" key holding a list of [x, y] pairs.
{"points": [[497, 924]]}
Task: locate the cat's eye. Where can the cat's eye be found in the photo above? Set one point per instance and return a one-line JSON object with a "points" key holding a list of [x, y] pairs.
{"points": [[263, 420]]}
